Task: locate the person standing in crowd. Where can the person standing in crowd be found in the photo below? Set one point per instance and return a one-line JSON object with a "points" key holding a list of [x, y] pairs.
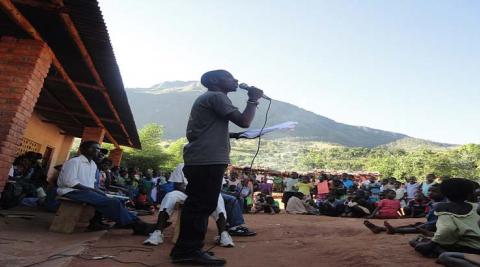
{"points": [[206, 157]]}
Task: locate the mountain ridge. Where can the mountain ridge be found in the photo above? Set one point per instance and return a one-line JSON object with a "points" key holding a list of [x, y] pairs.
{"points": [[168, 104]]}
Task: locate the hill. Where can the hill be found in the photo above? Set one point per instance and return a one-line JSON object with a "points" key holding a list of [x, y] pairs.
{"points": [[410, 143], [169, 104]]}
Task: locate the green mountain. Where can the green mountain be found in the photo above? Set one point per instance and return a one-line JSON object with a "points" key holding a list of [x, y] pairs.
{"points": [[169, 104]]}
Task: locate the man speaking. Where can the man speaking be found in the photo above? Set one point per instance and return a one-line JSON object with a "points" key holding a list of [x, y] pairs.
{"points": [[206, 157]]}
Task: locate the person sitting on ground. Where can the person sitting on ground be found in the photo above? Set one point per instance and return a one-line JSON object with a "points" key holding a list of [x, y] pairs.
{"points": [[458, 259], [289, 185], [245, 192], [233, 182], [388, 183], [337, 188], [401, 194], [161, 189], [416, 208], [265, 187], [458, 227], [373, 187], [167, 207], [265, 203], [333, 206], [299, 204], [133, 182], [358, 206], [322, 188], [77, 182], [277, 183], [19, 185], [347, 182], [429, 181], [143, 203], [37, 174], [304, 186], [147, 184], [427, 228], [121, 180], [105, 180], [412, 188], [235, 221], [387, 208]]}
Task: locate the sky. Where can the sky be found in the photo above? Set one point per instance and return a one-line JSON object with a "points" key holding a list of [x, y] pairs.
{"points": [[404, 66]]}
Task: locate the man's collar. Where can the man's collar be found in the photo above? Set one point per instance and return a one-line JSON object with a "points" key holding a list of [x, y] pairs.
{"points": [[84, 159]]}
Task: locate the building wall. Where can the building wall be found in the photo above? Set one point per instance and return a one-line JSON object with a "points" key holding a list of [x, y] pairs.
{"points": [[48, 135]]}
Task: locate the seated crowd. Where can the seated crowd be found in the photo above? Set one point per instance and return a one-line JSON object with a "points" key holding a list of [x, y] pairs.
{"points": [[450, 229], [119, 195]]}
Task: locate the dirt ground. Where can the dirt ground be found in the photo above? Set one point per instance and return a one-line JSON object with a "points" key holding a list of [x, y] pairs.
{"points": [[282, 240], [24, 242]]}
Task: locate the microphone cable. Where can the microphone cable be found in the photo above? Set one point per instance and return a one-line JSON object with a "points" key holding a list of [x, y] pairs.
{"points": [[260, 135]]}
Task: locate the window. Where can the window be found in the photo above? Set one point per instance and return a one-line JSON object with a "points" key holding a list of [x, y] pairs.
{"points": [[28, 145]]}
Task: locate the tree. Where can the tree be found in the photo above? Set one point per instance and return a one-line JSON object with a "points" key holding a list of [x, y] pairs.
{"points": [[175, 150], [152, 154]]}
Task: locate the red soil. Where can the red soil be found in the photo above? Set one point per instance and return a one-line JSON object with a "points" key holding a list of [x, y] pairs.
{"points": [[282, 240]]}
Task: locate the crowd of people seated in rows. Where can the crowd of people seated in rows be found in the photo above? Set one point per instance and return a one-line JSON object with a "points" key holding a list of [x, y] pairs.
{"points": [[449, 229], [119, 195], [446, 207]]}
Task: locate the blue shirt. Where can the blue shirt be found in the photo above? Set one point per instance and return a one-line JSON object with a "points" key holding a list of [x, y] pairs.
{"points": [[348, 183], [431, 217]]}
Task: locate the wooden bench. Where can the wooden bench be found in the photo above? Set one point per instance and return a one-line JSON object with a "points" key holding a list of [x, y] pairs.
{"points": [[176, 231], [72, 216]]}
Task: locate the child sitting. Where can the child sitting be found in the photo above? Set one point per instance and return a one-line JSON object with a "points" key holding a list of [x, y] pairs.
{"points": [[457, 225], [416, 207], [401, 194], [332, 206], [387, 208], [322, 188], [266, 204], [304, 186], [427, 228], [358, 206], [373, 187], [299, 204], [458, 259]]}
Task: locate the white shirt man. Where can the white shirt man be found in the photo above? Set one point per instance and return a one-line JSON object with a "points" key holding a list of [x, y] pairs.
{"points": [[78, 170]]}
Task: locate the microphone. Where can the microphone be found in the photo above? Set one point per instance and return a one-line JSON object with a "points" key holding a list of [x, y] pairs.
{"points": [[245, 86]]}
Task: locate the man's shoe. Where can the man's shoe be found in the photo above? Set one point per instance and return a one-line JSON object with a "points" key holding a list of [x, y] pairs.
{"points": [[93, 227], [143, 228], [241, 231], [225, 240], [202, 258], [155, 239]]}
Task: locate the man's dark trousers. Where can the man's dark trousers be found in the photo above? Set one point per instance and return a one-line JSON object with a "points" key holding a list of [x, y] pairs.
{"points": [[204, 184]]}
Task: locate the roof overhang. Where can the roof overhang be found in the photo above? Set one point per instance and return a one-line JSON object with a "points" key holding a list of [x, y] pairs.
{"points": [[84, 87]]}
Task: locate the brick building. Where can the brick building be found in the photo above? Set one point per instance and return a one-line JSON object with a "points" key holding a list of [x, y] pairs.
{"points": [[58, 80]]}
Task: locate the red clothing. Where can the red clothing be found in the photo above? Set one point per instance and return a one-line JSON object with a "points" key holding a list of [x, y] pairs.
{"points": [[142, 199], [322, 187], [388, 208]]}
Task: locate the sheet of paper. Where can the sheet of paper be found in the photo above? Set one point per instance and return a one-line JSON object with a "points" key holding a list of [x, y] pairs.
{"points": [[289, 125]]}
